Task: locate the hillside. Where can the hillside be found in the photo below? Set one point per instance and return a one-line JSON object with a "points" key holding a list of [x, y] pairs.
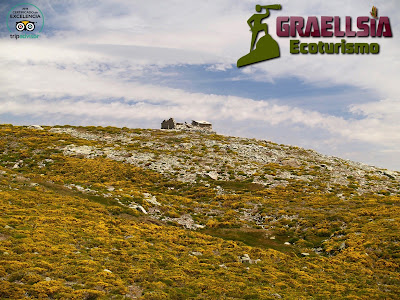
{"points": [[111, 213]]}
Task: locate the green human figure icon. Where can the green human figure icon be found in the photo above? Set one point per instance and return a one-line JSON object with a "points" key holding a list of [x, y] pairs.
{"points": [[266, 47]]}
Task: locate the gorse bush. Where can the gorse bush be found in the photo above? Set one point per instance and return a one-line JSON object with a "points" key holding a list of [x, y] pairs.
{"points": [[97, 225]]}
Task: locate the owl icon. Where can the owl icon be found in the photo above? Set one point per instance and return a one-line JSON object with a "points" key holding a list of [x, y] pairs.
{"points": [[25, 25]]}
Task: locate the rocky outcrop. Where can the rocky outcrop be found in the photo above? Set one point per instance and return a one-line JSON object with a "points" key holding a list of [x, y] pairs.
{"points": [[231, 158]]}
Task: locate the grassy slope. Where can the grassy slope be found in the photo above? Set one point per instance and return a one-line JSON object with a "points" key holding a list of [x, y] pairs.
{"points": [[64, 243]]}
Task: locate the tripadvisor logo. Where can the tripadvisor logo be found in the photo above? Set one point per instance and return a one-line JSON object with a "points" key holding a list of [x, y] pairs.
{"points": [[326, 26], [24, 21]]}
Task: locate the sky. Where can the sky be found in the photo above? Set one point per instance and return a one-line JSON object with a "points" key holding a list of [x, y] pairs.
{"points": [[135, 63]]}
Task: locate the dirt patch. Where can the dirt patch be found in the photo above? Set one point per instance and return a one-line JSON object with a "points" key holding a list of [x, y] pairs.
{"points": [[3, 237]]}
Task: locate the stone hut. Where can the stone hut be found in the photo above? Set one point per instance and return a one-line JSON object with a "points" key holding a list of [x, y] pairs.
{"points": [[195, 125], [168, 124], [202, 124]]}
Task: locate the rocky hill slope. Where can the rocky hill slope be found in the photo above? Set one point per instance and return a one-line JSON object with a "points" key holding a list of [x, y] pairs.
{"points": [[93, 212]]}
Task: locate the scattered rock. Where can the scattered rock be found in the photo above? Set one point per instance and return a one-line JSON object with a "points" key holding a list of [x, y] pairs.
{"points": [[318, 250], [305, 254], [287, 243], [107, 270], [134, 292], [291, 163], [246, 259], [48, 279], [195, 253], [186, 221], [80, 188], [342, 246], [87, 151], [223, 266], [138, 207], [151, 199], [213, 175], [36, 127]]}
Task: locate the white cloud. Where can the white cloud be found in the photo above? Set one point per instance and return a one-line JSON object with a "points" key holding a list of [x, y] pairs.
{"points": [[388, 109], [96, 95], [219, 67]]}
